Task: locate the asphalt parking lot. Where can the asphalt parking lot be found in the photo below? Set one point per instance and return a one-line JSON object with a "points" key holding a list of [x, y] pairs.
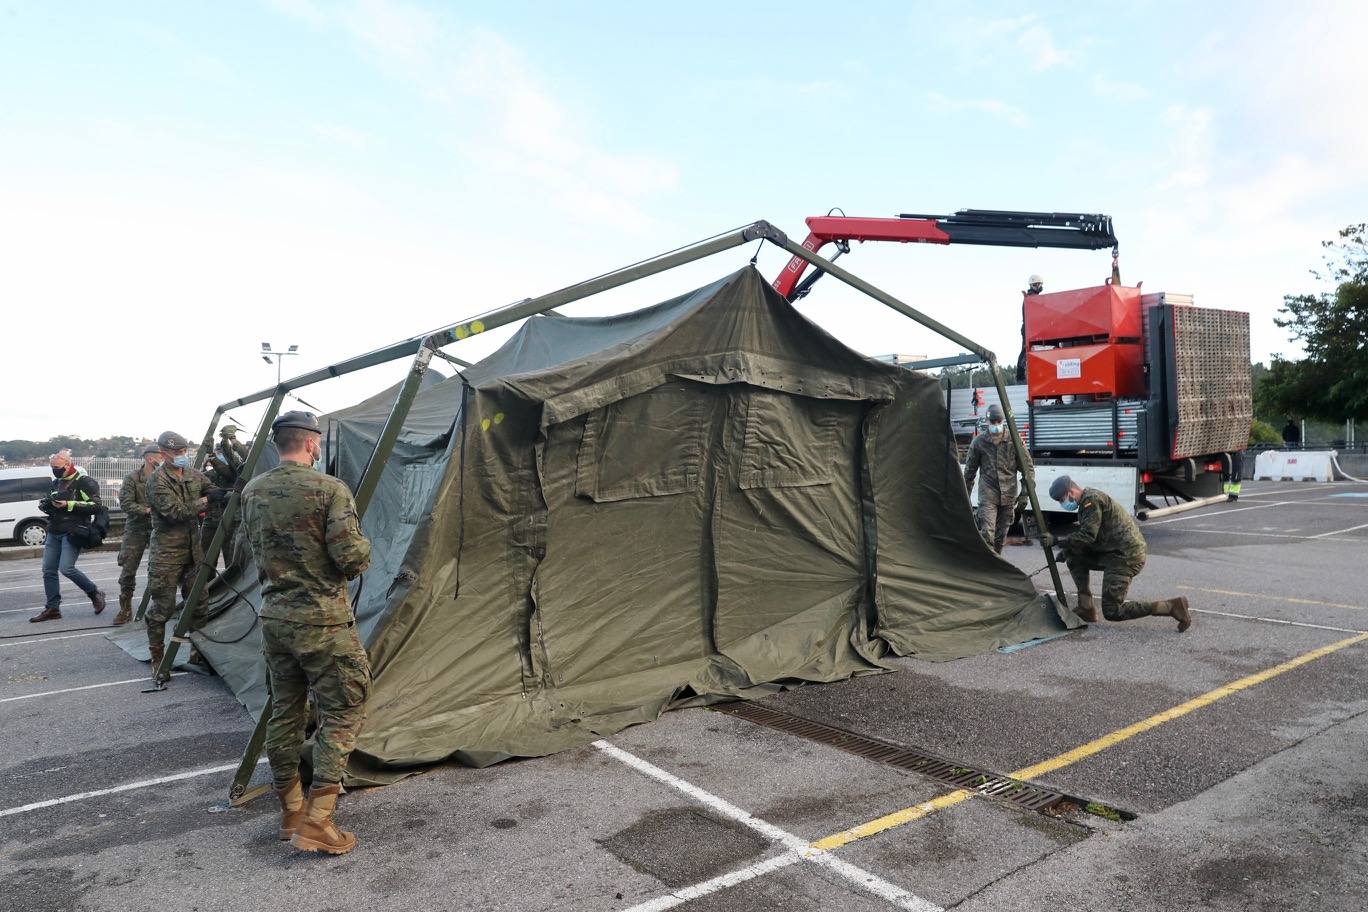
{"points": [[1237, 747]]}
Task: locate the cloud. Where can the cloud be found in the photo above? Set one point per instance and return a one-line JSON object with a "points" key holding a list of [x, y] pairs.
{"points": [[991, 106], [507, 121], [1037, 43]]}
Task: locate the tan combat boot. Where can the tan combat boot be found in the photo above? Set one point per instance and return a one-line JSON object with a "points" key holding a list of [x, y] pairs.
{"points": [[157, 650], [291, 808], [125, 609], [1086, 609], [1176, 608], [317, 832]]}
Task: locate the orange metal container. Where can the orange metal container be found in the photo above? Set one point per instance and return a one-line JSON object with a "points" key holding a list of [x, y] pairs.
{"points": [[1091, 340]]}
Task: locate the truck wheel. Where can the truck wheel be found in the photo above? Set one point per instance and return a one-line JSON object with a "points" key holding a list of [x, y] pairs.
{"points": [[33, 532]]}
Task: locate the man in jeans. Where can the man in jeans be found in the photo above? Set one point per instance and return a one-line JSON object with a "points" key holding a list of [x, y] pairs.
{"points": [[73, 502]]}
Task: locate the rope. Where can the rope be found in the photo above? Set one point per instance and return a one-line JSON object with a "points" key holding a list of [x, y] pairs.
{"points": [[20, 636]]}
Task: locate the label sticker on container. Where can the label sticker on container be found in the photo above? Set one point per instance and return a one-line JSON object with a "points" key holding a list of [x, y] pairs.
{"points": [[1068, 368]]}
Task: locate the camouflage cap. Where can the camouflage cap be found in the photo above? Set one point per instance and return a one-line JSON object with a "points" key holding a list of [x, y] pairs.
{"points": [[151, 449], [228, 430], [170, 440], [306, 421], [1059, 488], [995, 413]]}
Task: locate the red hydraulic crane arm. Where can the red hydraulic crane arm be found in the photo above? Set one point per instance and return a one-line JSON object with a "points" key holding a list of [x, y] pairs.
{"points": [[988, 227]]}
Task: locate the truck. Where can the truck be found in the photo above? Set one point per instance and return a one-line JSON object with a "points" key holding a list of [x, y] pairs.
{"points": [[1145, 396]]}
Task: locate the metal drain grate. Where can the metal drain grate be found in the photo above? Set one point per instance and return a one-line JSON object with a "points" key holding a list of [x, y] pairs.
{"points": [[990, 785]]}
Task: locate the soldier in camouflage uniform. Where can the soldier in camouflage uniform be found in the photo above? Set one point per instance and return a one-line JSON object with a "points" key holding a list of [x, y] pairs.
{"points": [[1107, 539], [223, 466], [993, 458], [307, 543], [137, 529], [177, 494]]}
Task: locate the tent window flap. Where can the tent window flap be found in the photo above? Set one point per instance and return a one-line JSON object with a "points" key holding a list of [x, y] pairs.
{"points": [[648, 445], [790, 441]]}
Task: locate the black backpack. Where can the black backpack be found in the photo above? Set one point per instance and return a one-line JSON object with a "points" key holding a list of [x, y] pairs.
{"points": [[91, 534]]}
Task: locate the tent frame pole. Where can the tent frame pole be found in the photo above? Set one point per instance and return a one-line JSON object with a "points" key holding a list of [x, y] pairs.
{"points": [[883, 297], [424, 350]]}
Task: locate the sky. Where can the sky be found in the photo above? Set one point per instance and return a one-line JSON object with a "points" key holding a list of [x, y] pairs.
{"points": [[182, 181]]}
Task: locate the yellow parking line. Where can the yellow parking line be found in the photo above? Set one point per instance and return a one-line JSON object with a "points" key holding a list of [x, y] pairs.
{"points": [[949, 799], [1275, 598]]}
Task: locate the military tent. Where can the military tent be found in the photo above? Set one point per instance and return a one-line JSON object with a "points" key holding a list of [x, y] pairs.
{"points": [[613, 516]]}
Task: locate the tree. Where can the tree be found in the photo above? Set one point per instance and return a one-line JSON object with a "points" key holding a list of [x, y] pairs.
{"points": [[1331, 382]]}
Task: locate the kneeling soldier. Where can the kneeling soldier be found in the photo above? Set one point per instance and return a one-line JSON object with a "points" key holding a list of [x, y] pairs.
{"points": [[1107, 539], [303, 531]]}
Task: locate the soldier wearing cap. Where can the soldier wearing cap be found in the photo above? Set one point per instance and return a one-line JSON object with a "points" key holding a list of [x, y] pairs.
{"points": [[993, 458], [306, 540], [1109, 540], [137, 528], [177, 494]]}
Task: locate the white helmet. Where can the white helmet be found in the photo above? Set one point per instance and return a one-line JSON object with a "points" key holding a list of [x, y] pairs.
{"points": [[1036, 280]]}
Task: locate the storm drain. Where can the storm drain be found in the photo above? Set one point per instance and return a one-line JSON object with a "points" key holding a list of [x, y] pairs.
{"points": [[990, 785]]}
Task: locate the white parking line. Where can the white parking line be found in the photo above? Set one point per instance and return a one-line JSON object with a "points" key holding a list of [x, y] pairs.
{"points": [[1255, 534], [126, 787], [867, 881], [93, 579], [67, 690], [69, 636], [717, 884], [1211, 514], [1341, 531], [82, 564], [1255, 617]]}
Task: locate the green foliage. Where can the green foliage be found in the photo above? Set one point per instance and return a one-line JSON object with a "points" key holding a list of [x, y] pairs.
{"points": [[20, 451], [976, 377], [1263, 432], [1331, 382]]}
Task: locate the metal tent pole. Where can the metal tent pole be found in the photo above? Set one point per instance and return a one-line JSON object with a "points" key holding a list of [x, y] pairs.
{"points": [[912, 313]]}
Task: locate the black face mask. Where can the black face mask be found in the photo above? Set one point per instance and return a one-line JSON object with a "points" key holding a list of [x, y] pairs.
{"points": [[58, 471]]}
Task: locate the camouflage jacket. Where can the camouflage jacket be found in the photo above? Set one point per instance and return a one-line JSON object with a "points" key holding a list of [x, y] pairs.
{"points": [[996, 467], [225, 462], [306, 541], [1105, 527], [133, 500], [175, 518]]}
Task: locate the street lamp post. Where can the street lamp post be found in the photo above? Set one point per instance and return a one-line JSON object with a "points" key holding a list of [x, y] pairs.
{"points": [[267, 354]]}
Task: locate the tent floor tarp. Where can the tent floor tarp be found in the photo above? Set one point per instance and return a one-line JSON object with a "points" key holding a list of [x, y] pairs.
{"points": [[611, 517]]}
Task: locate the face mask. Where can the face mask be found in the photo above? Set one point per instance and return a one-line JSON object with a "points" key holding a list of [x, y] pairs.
{"points": [[1070, 505], [995, 429], [58, 471], [182, 461]]}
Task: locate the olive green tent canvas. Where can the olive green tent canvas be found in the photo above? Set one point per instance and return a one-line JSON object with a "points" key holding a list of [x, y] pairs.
{"points": [[611, 517]]}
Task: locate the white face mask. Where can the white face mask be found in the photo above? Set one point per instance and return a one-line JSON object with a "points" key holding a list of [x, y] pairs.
{"points": [[995, 429]]}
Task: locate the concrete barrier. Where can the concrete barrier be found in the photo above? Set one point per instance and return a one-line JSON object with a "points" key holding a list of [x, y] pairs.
{"points": [[1295, 465]]}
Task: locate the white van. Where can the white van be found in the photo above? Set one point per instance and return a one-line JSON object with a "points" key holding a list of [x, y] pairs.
{"points": [[20, 491]]}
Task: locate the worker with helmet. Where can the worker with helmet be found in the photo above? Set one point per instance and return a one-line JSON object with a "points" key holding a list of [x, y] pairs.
{"points": [[993, 458], [1109, 540], [1034, 286], [306, 540], [177, 494]]}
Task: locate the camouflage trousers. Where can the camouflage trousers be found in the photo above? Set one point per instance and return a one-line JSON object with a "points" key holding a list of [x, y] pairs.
{"points": [[331, 662], [993, 521], [212, 521], [1117, 572], [130, 556], [166, 572]]}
